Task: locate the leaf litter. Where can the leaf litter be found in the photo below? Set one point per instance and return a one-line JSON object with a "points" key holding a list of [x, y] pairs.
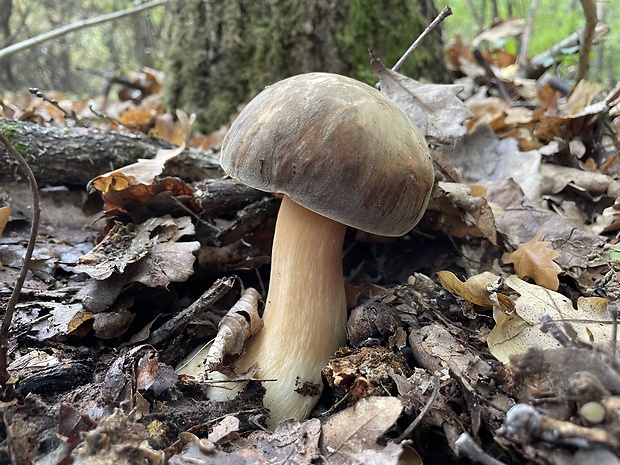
{"points": [[504, 348]]}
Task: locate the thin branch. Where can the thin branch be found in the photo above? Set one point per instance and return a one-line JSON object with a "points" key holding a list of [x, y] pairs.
{"points": [[589, 11], [34, 227], [431, 27], [431, 401], [18, 47], [527, 34]]}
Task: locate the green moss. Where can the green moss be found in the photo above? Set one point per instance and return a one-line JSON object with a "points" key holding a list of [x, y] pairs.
{"points": [[221, 54], [12, 131], [9, 129]]}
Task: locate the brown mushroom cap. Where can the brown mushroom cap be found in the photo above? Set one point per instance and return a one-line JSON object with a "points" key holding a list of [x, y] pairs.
{"points": [[336, 146]]}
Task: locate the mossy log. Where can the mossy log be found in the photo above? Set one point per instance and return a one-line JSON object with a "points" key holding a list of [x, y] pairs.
{"points": [[73, 156]]}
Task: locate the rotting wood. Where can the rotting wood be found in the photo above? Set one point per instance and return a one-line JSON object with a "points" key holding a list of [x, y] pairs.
{"points": [[73, 156]]}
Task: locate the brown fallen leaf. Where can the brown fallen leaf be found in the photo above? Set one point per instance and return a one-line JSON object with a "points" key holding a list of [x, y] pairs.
{"points": [[5, 213], [474, 290], [356, 429], [434, 108], [534, 259], [455, 209], [516, 332]]}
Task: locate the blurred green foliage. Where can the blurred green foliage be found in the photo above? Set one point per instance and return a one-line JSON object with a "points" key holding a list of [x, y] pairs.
{"points": [[554, 20]]}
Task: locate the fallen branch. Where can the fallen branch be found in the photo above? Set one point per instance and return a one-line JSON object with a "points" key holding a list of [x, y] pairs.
{"points": [[540, 63], [34, 226], [74, 156]]}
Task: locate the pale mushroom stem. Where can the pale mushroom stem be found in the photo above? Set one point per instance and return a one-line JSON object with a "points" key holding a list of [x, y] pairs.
{"points": [[305, 313]]}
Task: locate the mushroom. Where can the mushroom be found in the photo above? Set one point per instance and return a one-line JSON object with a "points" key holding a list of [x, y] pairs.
{"points": [[342, 154]]}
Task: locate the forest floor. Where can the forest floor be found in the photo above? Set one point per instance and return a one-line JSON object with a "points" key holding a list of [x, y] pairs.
{"points": [[487, 334]]}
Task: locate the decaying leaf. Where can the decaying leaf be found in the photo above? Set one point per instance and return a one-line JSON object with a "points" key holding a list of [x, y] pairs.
{"points": [[558, 178], [239, 323], [434, 108], [534, 259], [52, 320], [356, 429], [499, 30], [575, 116], [474, 290], [460, 211], [482, 157], [515, 333], [156, 239]]}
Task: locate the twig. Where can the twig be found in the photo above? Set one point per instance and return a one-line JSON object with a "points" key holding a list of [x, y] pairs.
{"points": [[52, 101], [589, 11], [34, 227], [418, 419], [431, 27], [18, 47], [490, 74], [527, 34], [465, 445], [176, 324], [614, 327]]}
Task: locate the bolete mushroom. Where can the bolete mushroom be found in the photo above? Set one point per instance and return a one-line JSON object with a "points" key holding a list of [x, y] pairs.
{"points": [[342, 154]]}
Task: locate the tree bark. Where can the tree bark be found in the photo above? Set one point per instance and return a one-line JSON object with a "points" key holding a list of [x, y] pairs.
{"points": [[219, 55], [75, 156]]}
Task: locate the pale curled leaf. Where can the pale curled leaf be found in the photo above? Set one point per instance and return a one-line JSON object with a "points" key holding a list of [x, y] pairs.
{"points": [[234, 329], [515, 333], [143, 171], [434, 108], [512, 27], [534, 259], [474, 290]]}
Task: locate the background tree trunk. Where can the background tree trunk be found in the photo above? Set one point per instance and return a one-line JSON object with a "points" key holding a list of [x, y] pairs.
{"points": [[220, 54]]}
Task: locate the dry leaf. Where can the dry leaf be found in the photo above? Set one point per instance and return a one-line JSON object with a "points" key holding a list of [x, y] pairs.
{"points": [[482, 157], [595, 184], [455, 210], [356, 429], [5, 213], [141, 172], [534, 259], [225, 430], [154, 244], [474, 290], [515, 333], [499, 30], [434, 108]]}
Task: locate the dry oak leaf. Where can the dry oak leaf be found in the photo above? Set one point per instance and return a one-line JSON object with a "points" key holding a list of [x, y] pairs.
{"points": [[534, 259], [356, 430], [514, 333], [474, 290], [434, 108]]}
